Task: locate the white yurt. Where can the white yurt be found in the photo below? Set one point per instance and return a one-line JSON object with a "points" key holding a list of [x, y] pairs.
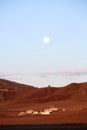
{"points": [[29, 111], [22, 114]]}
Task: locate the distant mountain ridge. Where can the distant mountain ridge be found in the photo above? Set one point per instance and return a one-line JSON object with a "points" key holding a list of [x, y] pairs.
{"points": [[10, 85], [10, 90], [26, 93]]}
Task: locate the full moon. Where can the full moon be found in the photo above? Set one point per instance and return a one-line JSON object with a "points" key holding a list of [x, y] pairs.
{"points": [[46, 39]]}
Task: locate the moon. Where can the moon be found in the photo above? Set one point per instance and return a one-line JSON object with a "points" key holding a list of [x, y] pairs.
{"points": [[46, 40]]}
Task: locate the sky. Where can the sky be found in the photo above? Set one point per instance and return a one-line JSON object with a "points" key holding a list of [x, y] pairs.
{"points": [[26, 58]]}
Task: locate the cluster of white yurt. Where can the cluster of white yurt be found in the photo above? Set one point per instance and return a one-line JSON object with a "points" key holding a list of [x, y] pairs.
{"points": [[41, 112]]}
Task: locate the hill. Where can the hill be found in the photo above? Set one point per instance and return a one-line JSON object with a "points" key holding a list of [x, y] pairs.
{"points": [[15, 97], [22, 94], [11, 90]]}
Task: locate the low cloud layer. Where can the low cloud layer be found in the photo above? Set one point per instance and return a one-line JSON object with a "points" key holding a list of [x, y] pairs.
{"points": [[77, 72]]}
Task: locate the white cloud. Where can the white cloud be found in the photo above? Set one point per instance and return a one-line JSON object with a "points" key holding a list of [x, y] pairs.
{"points": [[76, 72]]}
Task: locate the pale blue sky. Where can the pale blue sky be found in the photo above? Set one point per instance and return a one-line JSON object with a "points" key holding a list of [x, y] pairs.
{"points": [[23, 55]]}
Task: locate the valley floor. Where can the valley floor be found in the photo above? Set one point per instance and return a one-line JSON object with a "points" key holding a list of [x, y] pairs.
{"points": [[59, 117]]}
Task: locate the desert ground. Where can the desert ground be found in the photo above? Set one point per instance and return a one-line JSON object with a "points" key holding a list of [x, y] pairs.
{"points": [[69, 101]]}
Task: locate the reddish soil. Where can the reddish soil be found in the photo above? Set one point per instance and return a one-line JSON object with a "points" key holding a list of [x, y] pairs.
{"points": [[15, 97]]}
